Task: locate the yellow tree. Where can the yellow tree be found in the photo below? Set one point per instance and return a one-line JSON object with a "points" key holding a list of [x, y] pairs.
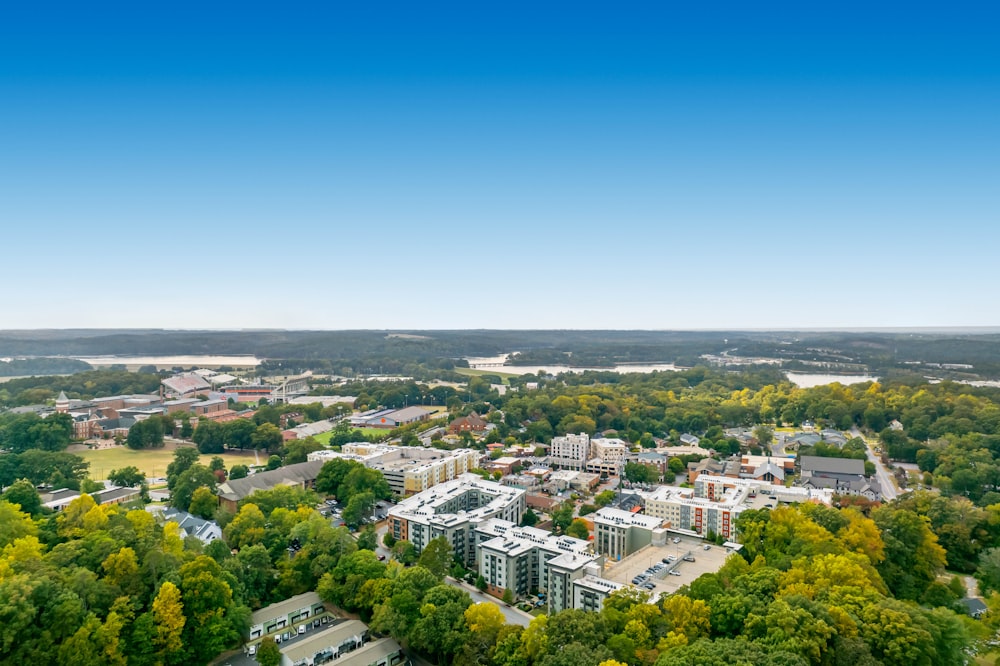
{"points": [[484, 619], [687, 616], [168, 613]]}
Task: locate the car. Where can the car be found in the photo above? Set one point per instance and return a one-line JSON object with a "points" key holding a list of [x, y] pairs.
{"points": [[688, 558], [302, 629], [677, 540], [381, 558], [649, 586], [670, 558], [707, 547], [674, 572], [252, 650]]}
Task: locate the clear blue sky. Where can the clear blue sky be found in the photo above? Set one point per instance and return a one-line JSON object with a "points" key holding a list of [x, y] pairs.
{"points": [[499, 165]]}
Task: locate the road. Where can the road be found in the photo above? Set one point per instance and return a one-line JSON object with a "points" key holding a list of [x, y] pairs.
{"points": [[511, 614], [885, 480]]}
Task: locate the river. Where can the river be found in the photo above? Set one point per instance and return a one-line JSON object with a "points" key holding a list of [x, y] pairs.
{"points": [[205, 361], [499, 364]]}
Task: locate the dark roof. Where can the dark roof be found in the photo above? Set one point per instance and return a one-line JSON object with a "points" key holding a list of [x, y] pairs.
{"points": [[297, 474], [832, 465], [973, 607]]}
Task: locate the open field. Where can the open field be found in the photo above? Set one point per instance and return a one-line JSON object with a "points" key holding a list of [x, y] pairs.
{"points": [[151, 462], [472, 372]]}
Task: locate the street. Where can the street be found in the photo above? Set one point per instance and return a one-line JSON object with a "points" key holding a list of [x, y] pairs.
{"points": [[885, 480], [511, 614]]}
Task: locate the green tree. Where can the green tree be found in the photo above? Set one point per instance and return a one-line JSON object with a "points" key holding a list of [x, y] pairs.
{"points": [[203, 503], [529, 519], [298, 450], [184, 457], [238, 472], [358, 509], [189, 481], [508, 596], [368, 539], [267, 437], [578, 528], [274, 462], [210, 437], [128, 477], [22, 493], [239, 434], [437, 556], [562, 516], [268, 653]]}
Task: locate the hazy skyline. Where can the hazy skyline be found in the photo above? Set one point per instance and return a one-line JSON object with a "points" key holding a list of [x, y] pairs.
{"points": [[501, 166]]}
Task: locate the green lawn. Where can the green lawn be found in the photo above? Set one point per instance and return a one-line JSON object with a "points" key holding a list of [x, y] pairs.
{"points": [[471, 372], [151, 462]]}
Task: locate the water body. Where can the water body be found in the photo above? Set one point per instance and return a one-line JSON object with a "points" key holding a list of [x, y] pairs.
{"points": [[500, 364], [206, 361], [809, 380]]}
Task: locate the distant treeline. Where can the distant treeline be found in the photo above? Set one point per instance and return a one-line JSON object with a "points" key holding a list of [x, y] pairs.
{"points": [[399, 352], [23, 367]]}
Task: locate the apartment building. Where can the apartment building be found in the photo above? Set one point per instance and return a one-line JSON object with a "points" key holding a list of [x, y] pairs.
{"points": [[618, 533], [407, 469], [454, 509], [570, 452]]}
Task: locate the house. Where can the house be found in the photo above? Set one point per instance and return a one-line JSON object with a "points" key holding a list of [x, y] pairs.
{"points": [[974, 607], [205, 531], [471, 423], [845, 476], [302, 475], [687, 439]]}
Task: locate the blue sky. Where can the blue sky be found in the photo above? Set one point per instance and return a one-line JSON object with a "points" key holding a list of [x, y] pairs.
{"points": [[496, 165]]}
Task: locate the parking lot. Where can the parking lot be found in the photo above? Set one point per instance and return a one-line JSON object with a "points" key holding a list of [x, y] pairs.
{"points": [[705, 561]]}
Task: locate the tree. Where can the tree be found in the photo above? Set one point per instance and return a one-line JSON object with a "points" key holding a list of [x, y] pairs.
{"points": [[268, 653], [203, 503], [298, 450], [128, 477], [184, 457], [239, 434], [209, 436], [238, 472], [22, 492], [764, 435], [481, 583], [168, 615], [604, 498], [189, 481], [578, 528], [274, 462], [639, 473], [508, 596], [562, 516], [437, 556], [529, 519], [368, 539], [405, 552], [267, 437]]}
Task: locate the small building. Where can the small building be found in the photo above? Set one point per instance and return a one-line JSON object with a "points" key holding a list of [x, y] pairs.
{"points": [[471, 423], [116, 495]]}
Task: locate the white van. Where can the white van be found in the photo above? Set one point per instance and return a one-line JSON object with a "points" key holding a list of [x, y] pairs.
{"points": [[302, 629], [252, 650]]}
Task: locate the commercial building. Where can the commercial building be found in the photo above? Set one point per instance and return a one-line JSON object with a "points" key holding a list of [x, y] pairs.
{"points": [[620, 533], [407, 469], [570, 452], [390, 418], [842, 476], [454, 509]]}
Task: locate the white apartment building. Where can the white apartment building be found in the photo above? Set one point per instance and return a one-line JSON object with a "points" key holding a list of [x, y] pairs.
{"points": [[407, 469], [570, 452], [607, 455], [526, 559], [454, 509]]}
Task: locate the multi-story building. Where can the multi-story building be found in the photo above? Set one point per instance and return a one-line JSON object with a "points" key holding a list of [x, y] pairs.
{"points": [[570, 452], [407, 469], [590, 592], [618, 533], [454, 509], [521, 558]]}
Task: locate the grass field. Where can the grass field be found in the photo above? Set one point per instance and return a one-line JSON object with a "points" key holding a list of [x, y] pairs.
{"points": [[151, 462], [470, 372]]}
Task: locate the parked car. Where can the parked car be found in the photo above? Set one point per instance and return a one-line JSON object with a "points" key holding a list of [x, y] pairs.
{"points": [[674, 572], [688, 558], [649, 586], [302, 629], [677, 540], [707, 547]]}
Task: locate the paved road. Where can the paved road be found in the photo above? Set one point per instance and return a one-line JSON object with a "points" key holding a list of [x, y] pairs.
{"points": [[885, 480], [512, 615]]}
